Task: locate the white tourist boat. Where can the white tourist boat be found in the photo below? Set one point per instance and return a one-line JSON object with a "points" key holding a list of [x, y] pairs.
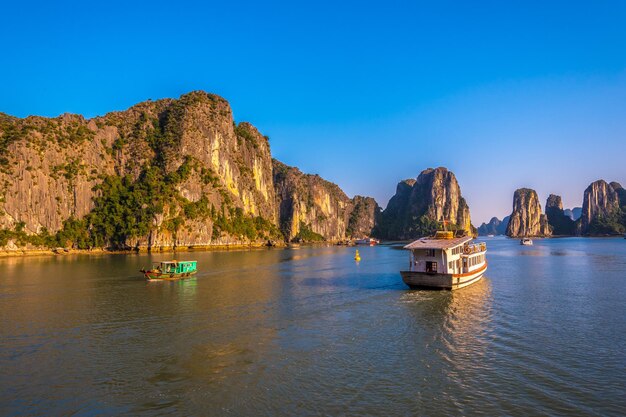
{"points": [[526, 241], [445, 262], [367, 241]]}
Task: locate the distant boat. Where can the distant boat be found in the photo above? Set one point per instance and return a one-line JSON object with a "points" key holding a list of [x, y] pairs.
{"points": [[170, 270], [526, 241], [445, 262], [367, 241], [490, 235]]}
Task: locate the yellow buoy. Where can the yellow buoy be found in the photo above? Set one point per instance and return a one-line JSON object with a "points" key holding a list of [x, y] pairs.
{"points": [[357, 257]]}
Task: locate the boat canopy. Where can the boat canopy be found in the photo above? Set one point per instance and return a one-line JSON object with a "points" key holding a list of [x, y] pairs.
{"points": [[175, 262], [177, 266], [437, 243]]}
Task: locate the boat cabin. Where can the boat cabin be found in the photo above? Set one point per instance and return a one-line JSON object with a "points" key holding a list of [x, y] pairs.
{"points": [[175, 267], [446, 254]]}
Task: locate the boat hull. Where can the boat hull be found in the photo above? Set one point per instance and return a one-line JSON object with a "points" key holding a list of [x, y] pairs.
{"points": [[425, 280], [159, 276]]}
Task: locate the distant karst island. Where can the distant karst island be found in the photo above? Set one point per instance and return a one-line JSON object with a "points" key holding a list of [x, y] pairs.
{"points": [[603, 214], [180, 173]]}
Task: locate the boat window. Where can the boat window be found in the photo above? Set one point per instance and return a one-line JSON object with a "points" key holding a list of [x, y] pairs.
{"points": [[430, 252], [431, 266]]}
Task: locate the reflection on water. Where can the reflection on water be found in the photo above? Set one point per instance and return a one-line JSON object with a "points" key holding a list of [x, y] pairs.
{"points": [[309, 331]]}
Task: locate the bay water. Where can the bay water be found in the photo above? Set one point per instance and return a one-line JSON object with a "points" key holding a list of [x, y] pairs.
{"points": [[309, 331]]}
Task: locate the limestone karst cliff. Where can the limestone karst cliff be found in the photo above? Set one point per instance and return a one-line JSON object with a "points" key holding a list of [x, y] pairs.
{"points": [[494, 227], [171, 172], [309, 206], [604, 209], [526, 218], [364, 216], [559, 222], [419, 204]]}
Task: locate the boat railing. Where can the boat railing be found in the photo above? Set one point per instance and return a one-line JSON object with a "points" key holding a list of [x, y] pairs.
{"points": [[474, 248]]}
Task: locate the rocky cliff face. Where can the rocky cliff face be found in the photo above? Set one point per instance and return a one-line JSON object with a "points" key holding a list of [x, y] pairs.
{"points": [[419, 204], [559, 222], [603, 209], [526, 218], [363, 218], [494, 227], [554, 202], [172, 172], [310, 208], [189, 147]]}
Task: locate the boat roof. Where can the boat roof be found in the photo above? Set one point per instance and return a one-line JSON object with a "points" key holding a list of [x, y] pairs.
{"points": [[432, 243], [176, 262]]}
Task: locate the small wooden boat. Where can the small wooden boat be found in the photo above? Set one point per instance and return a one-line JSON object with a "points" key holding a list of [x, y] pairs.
{"points": [[526, 241], [170, 270], [445, 262], [367, 241]]}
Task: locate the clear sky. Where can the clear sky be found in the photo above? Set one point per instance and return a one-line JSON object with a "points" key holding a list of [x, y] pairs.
{"points": [[505, 94]]}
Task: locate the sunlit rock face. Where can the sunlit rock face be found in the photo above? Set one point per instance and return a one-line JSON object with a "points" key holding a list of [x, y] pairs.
{"points": [[180, 172], [526, 218], [309, 202], [419, 204], [55, 165], [603, 209]]}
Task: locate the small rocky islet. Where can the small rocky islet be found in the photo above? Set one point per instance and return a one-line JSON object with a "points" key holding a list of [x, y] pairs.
{"points": [[603, 214], [180, 173]]}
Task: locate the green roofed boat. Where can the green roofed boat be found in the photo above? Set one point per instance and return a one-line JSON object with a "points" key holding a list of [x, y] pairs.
{"points": [[170, 270]]}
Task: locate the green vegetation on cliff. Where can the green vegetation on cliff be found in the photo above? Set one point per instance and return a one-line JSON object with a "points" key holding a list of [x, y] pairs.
{"points": [[307, 235], [237, 223], [611, 224], [127, 209], [410, 228]]}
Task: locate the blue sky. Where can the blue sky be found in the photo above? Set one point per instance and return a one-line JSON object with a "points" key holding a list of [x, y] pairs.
{"points": [[505, 94]]}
